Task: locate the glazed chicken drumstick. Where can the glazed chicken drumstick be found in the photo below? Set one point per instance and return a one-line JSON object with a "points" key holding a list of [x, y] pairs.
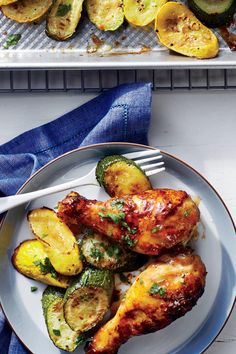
{"points": [[165, 291], [148, 223]]}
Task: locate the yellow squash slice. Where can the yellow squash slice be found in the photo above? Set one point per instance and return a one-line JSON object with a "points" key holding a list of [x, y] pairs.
{"points": [[179, 30], [142, 12], [58, 240], [30, 259], [6, 2], [27, 10]]}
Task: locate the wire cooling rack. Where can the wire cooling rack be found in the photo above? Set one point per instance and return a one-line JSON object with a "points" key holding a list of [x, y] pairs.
{"points": [[100, 80]]}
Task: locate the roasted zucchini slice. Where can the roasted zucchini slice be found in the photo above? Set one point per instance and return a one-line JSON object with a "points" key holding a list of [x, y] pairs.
{"points": [[213, 13], [30, 259], [102, 253], [58, 240], [60, 333], [142, 12], [87, 299], [27, 10], [107, 15], [120, 176], [179, 30], [63, 19]]}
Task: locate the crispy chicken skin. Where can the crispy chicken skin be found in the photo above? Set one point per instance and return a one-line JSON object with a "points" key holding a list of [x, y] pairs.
{"points": [[163, 292], [148, 223]]}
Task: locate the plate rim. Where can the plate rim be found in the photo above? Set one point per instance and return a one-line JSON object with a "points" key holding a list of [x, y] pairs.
{"points": [[131, 145]]}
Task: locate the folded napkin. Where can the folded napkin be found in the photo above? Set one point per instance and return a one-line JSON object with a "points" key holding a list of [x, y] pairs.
{"points": [[120, 114]]}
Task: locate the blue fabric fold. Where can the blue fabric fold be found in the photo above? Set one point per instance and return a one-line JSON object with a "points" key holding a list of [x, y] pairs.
{"points": [[120, 114]]}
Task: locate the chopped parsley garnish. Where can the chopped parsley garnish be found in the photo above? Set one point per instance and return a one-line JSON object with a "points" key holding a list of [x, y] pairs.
{"points": [[44, 235], [114, 251], [124, 278], [63, 9], [116, 218], [57, 332], [96, 253], [13, 39], [118, 203], [141, 282], [81, 339], [131, 231], [33, 289], [129, 241], [156, 289], [46, 267], [187, 213], [156, 229]]}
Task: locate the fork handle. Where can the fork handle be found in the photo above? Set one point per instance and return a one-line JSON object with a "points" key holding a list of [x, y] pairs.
{"points": [[7, 203]]}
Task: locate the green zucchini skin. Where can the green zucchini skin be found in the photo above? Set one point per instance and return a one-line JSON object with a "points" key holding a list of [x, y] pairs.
{"points": [[102, 253], [63, 19], [208, 14], [59, 332], [119, 181], [106, 15], [87, 299]]}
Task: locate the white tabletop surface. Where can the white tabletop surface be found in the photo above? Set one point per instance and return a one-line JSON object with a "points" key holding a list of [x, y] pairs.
{"points": [[198, 127]]}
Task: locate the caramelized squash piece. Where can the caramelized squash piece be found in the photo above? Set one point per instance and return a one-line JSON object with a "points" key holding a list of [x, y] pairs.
{"points": [[142, 12], [58, 240], [179, 30], [31, 260], [27, 10]]}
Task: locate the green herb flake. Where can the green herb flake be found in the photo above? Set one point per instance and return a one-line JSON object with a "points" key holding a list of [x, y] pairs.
{"points": [[46, 267], [187, 213], [33, 289], [57, 332], [156, 229], [128, 228], [124, 278], [156, 289], [141, 282], [113, 251], [129, 241], [12, 40], [96, 254], [44, 235], [82, 339], [116, 218], [56, 207], [63, 10], [118, 203]]}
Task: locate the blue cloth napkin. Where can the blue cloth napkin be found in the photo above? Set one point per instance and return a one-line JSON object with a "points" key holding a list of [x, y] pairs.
{"points": [[120, 114]]}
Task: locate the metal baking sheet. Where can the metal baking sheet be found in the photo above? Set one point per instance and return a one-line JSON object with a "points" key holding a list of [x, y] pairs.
{"points": [[127, 47]]}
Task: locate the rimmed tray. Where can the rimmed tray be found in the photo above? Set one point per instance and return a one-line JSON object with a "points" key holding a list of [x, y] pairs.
{"points": [[128, 47]]}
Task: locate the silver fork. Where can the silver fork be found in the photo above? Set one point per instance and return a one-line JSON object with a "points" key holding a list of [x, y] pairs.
{"points": [[147, 160]]}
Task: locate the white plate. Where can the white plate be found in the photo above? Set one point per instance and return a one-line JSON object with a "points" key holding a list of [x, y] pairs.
{"points": [[189, 334]]}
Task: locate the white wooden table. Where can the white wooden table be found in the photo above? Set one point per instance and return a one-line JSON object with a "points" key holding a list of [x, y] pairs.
{"points": [[198, 127]]}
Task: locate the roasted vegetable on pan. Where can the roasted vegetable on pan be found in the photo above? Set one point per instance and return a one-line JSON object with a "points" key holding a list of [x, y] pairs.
{"points": [[27, 10], [120, 176], [103, 253], [142, 12], [30, 259], [165, 291], [60, 333], [179, 30], [6, 2], [58, 240], [107, 15], [63, 19], [148, 223], [88, 298], [213, 13]]}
